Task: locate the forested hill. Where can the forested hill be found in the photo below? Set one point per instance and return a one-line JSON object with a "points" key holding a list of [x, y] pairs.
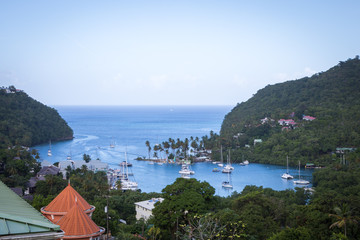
{"points": [[27, 122], [331, 97]]}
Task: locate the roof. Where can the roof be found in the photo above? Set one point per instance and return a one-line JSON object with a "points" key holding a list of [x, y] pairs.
{"points": [[33, 180], [77, 223], [149, 204], [19, 217], [48, 170], [65, 200]]}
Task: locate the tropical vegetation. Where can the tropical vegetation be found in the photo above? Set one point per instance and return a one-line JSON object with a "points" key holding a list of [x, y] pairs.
{"points": [[27, 122]]}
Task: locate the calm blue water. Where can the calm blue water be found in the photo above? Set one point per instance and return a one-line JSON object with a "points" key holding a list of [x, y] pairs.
{"points": [[96, 127]]}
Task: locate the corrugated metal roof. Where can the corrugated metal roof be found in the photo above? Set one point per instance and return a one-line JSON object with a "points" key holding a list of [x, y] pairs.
{"points": [[19, 217]]}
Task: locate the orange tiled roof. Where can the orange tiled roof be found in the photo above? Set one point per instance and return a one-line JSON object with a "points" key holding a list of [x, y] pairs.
{"points": [[77, 223], [66, 200]]}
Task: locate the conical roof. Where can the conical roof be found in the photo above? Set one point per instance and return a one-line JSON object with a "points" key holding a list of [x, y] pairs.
{"points": [[66, 200], [77, 223]]}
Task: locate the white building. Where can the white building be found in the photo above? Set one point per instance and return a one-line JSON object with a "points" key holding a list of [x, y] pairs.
{"points": [[93, 165], [144, 208]]}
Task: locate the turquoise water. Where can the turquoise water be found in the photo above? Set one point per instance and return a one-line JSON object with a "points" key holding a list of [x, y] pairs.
{"points": [[129, 127]]}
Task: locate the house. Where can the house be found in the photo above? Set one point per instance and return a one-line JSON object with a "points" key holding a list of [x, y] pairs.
{"points": [[308, 118], [144, 208], [31, 184], [266, 120], [287, 122], [48, 170], [19, 220], [257, 141]]}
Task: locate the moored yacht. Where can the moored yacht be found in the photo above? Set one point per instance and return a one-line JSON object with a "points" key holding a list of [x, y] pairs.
{"points": [[287, 175]]}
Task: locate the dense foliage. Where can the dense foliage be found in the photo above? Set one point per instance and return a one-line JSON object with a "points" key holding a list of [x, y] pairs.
{"points": [[27, 122], [17, 165], [332, 97]]}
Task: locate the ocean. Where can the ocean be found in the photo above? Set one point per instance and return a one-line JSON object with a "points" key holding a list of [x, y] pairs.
{"points": [[129, 127]]}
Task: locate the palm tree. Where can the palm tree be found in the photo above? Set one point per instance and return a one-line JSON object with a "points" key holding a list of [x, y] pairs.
{"points": [[343, 217], [147, 143]]}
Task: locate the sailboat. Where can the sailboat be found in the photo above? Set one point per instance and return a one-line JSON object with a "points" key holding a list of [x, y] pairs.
{"points": [[221, 154], [301, 181], [227, 184], [112, 143], [228, 165], [127, 184], [287, 175], [228, 168], [49, 151]]}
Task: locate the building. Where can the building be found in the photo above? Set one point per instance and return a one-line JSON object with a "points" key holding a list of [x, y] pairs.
{"points": [[63, 202], [93, 165], [73, 214], [257, 141], [144, 208], [48, 170], [308, 118], [19, 220]]}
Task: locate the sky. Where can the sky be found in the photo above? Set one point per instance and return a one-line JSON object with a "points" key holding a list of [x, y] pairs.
{"points": [[197, 52]]}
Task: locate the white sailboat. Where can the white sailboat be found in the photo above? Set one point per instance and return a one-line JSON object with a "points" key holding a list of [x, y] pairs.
{"points": [[228, 168], [126, 183], [301, 181], [227, 184], [49, 151], [287, 175], [221, 158]]}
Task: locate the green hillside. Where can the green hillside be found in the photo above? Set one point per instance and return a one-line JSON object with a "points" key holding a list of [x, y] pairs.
{"points": [[27, 122], [332, 97]]}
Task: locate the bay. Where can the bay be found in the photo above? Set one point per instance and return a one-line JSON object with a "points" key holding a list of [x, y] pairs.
{"points": [[95, 127]]}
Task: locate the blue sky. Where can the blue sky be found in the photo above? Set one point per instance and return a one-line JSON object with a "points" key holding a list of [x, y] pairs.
{"points": [[169, 52]]}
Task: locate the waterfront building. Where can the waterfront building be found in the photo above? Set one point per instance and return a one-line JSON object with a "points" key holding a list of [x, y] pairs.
{"points": [[144, 208]]}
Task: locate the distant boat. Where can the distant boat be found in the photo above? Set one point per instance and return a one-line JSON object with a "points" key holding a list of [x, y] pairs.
{"points": [[185, 170], [287, 175], [216, 170], [221, 158], [227, 184], [244, 163], [112, 143], [228, 168], [49, 151], [301, 181], [127, 184]]}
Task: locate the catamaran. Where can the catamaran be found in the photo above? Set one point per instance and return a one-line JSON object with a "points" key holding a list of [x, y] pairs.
{"points": [[287, 175]]}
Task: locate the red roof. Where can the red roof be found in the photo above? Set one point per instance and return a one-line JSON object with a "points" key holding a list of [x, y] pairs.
{"points": [[66, 200], [77, 224]]}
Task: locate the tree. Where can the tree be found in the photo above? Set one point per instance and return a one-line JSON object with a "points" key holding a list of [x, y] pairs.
{"points": [[183, 199], [343, 216], [147, 143], [86, 158]]}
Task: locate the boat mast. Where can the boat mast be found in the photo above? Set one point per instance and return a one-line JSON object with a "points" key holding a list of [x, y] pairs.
{"points": [[221, 154]]}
